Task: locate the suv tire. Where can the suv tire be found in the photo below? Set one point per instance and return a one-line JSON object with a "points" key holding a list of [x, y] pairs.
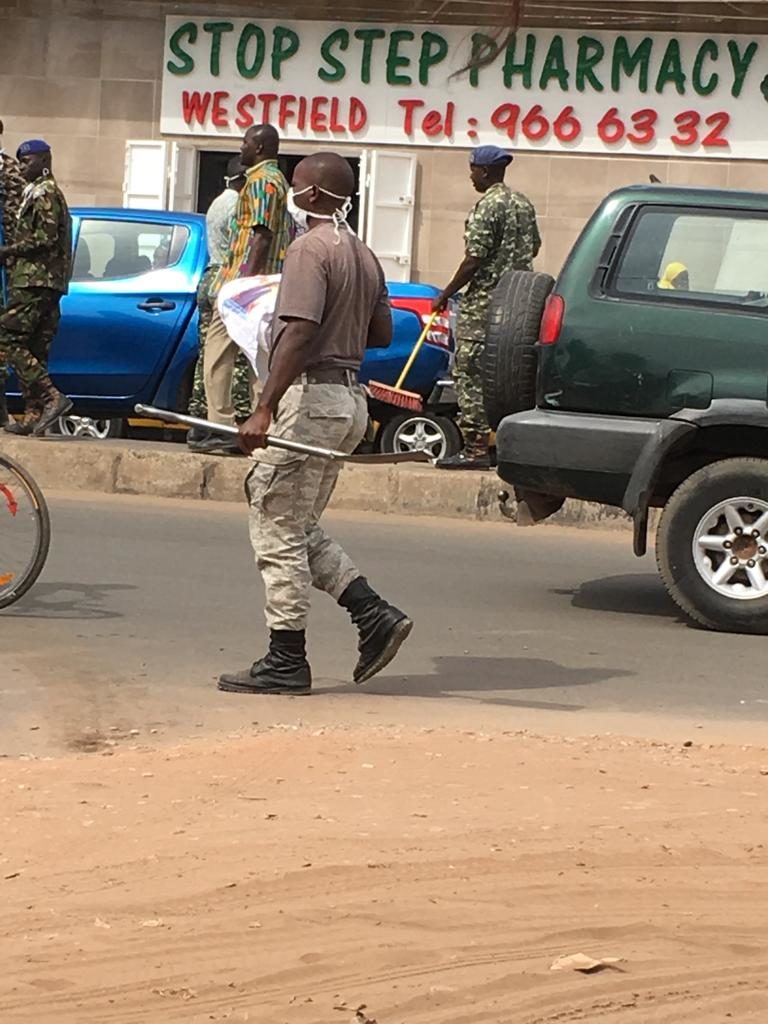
{"points": [[514, 318], [712, 546]]}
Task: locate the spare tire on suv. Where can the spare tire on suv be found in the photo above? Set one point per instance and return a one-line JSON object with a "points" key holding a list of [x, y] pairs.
{"points": [[509, 370]]}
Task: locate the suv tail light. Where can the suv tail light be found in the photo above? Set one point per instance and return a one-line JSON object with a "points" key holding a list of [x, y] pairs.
{"points": [[552, 320], [440, 331]]}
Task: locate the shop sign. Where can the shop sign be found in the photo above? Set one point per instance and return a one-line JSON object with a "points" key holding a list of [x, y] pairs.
{"points": [[591, 92]]}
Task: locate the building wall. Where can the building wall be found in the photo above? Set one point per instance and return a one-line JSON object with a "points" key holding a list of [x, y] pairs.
{"points": [[565, 190], [86, 84], [88, 80]]}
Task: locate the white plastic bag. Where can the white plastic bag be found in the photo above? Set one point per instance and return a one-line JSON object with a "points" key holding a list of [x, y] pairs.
{"points": [[247, 306]]}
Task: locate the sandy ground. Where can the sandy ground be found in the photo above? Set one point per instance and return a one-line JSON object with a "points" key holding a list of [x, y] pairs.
{"points": [[291, 876]]}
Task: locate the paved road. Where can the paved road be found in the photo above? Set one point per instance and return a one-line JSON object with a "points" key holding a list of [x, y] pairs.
{"points": [[143, 603]]}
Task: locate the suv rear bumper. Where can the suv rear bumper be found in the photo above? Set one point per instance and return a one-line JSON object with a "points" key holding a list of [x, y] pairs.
{"points": [[573, 455]]}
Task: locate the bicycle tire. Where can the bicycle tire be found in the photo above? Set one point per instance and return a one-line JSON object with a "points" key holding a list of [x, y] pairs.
{"points": [[37, 563]]}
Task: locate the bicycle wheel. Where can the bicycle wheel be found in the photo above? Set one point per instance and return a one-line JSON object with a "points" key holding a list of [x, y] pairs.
{"points": [[25, 531]]}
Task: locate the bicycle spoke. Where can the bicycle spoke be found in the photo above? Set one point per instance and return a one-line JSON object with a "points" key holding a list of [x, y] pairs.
{"points": [[24, 531]]}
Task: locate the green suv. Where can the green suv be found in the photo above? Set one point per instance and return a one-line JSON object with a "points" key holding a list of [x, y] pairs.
{"points": [[640, 379]]}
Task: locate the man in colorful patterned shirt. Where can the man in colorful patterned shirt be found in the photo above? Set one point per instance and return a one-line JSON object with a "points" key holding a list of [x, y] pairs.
{"points": [[261, 233], [501, 235], [12, 186], [39, 263], [218, 224]]}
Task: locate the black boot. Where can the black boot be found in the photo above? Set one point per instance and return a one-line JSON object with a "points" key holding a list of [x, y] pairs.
{"points": [[3, 403], [475, 455], [381, 626], [212, 444], [24, 426], [465, 460], [56, 405], [283, 669]]}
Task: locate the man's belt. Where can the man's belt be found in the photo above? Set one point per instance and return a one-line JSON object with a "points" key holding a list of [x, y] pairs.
{"points": [[328, 375]]}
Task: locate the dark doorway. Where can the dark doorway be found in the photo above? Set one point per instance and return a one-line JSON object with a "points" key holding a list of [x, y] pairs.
{"points": [[213, 168]]}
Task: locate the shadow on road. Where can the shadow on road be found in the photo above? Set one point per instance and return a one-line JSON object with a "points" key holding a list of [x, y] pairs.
{"points": [[635, 594], [485, 679], [67, 601]]}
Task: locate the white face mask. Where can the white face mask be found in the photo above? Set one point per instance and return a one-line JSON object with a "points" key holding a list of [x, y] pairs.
{"points": [[338, 217], [300, 217]]}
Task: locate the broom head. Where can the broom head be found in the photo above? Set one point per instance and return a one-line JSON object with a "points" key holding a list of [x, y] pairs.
{"points": [[395, 396]]}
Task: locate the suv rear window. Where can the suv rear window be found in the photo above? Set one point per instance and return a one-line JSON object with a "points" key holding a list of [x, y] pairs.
{"points": [[718, 258]]}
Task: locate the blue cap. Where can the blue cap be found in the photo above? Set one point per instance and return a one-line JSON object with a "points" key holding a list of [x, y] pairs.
{"points": [[32, 146], [490, 156]]}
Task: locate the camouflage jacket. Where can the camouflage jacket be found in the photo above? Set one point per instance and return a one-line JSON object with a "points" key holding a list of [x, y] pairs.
{"points": [[12, 187], [502, 233], [41, 255]]}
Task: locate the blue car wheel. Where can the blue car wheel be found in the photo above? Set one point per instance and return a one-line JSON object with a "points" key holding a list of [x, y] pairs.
{"points": [[88, 427], [438, 436]]}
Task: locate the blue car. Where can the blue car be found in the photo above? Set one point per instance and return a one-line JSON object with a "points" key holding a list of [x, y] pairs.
{"points": [[128, 331]]}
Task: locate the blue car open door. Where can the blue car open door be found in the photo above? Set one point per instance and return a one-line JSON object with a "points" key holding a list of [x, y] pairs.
{"points": [[132, 293]]}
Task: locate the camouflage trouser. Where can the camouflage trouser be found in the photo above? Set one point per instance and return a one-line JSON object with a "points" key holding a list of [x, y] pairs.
{"points": [[241, 390], [288, 493], [467, 376], [27, 328]]}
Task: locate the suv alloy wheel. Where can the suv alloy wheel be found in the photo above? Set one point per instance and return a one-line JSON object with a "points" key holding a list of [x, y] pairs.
{"points": [[712, 546]]}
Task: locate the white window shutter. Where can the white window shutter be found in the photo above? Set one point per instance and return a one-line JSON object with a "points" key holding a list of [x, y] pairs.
{"points": [[391, 202], [183, 178], [145, 185]]}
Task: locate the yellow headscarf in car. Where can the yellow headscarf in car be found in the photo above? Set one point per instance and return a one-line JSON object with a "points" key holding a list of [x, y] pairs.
{"points": [[671, 274]]}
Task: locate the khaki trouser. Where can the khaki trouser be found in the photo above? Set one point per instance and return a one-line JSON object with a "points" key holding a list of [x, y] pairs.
{"points": [[288, 493], [219, 359]]}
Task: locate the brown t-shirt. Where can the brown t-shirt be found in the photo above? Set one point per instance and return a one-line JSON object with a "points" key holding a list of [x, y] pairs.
{"points": [[337, 283]]}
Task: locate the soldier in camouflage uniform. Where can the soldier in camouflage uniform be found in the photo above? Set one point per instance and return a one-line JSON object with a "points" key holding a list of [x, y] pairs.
{"points": [[218, 224], [39, 262], [501, 234], [12, 187]]}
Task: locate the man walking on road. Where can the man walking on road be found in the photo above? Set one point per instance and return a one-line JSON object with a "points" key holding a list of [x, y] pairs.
{"points": [[332, 304], [11, 190], [501, 234], [261, 233], [39, 263], [218, 221]]}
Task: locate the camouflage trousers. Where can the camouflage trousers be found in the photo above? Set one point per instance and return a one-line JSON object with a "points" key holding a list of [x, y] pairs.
{"points": [[468, 378], [27, 328], [288, 493], [241, 376]]}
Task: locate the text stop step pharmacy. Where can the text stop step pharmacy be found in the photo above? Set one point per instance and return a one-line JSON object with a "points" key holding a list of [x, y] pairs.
{"points": [[390, 96]]}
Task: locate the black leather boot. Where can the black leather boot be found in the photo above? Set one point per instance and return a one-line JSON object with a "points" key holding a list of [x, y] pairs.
{"points": [[24, 426], [56, 405], [475, 455], [381, 626], [283, 669]]}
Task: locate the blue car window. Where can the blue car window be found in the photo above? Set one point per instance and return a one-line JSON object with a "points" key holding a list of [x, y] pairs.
{"points": [[111, 250]]}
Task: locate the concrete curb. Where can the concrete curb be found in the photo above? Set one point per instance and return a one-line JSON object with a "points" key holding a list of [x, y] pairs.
{"points": [[170, 471]]}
